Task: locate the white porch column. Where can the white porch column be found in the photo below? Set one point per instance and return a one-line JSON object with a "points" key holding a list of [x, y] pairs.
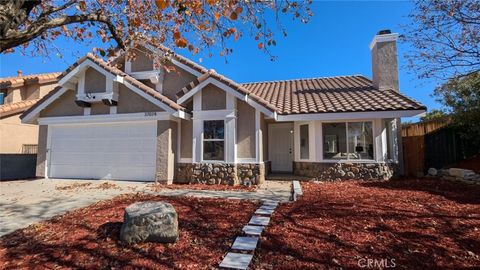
{"points": [[258, 137], [231, 131], [197, 129], [380, 135]]}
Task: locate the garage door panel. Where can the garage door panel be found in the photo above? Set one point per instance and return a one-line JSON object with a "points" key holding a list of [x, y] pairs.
{"points": [[124, 151]]}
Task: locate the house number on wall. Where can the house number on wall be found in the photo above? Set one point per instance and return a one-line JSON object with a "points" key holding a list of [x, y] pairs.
{"points": [[150, 113]]}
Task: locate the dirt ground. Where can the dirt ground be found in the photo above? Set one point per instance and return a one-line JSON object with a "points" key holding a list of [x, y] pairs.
{"points": [[409, 224]]}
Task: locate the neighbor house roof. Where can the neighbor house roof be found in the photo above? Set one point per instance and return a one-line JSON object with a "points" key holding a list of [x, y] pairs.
{"points": [[28, 79], [17, 107], [115, 71]]}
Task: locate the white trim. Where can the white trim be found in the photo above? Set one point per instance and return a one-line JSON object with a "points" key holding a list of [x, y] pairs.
{"points": [[214, 114], [383, 38], [48, 151], [185, 160], [81, 83], [248, 161], [144, 75], [182, 115], [105, 118], [348, 115], [186, 68], [258, 137], [29, 117]]}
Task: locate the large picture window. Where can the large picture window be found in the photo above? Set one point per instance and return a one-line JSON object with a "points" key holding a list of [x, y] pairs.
{"points": [[351, 140], [214, 140]]}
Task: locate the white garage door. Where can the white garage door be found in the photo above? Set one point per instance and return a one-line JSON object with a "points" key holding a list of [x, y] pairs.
{"points": [[123, 151]]}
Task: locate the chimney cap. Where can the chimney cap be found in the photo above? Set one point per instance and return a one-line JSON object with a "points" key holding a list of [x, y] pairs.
{"points": [[384, 36], [384, 32]]}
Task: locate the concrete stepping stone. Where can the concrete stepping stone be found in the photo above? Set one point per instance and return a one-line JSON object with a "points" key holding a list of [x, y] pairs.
{"points": [[268, 207], [263, 211], [236, 261], [270, 202], [245, 243], [253, 230], [259, 220]]}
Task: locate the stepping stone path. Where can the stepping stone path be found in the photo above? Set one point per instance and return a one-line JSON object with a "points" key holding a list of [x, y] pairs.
{"points": [[253, 230], [248, 243], [236, 260], [245, 243]]}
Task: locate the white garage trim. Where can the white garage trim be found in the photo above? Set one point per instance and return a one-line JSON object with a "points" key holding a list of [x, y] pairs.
{"points": [[106, 118]]}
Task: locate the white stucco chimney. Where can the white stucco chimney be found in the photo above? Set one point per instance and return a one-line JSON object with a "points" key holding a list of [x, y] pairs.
{"points": [[384, 60]]}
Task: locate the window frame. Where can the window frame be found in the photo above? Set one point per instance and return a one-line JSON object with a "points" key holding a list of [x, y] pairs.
{"points": [[203, 160], [347, 160]]}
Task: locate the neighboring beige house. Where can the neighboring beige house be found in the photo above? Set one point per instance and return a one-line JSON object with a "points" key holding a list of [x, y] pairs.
{"points": [[129, 121], [19, 94]]}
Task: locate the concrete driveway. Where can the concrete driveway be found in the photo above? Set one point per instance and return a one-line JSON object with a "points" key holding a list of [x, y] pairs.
{"points": [[26, 202]]}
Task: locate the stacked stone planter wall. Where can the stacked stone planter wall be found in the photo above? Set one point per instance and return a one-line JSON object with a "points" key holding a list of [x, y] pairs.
{"points": [[344, 171], [220, 173]]}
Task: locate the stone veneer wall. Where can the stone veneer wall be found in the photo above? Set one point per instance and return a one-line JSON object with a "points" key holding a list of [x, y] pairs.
{"points": [[344, 171], [220, 173]]}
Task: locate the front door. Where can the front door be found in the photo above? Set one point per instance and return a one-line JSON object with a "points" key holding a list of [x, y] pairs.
{"points": [[280, 147]]}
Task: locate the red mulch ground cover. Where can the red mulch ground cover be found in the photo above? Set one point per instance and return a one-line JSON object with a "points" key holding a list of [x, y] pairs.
{"points": [[88, 238], [205, 187], [421, 224]]}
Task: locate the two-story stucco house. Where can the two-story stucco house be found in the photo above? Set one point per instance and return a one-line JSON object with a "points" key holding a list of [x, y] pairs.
{"points": [[128, 120], [17, 94]]}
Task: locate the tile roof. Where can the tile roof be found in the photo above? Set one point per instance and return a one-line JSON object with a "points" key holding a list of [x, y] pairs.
{"points": [[317, 95], [27, 79], [17, 107], [114, 71], [330, 95]]}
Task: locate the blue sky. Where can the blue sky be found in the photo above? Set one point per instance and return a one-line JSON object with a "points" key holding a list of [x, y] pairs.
{"points": [[334, 42]]}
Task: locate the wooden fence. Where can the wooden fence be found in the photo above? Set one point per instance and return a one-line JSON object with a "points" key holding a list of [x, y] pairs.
{"points": [[433, 143]]}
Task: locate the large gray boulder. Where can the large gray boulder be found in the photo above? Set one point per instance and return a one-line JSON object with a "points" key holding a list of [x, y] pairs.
{"points": [[149, 222]]}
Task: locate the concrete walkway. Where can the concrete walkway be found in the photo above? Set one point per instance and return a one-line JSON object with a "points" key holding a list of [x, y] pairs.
{"points": [[26, 202]]}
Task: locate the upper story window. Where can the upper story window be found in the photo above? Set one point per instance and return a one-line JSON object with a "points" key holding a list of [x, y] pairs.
{"points": [[350, 140], [214, 140]]}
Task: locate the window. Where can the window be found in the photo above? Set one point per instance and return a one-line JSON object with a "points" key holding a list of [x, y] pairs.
{"points": [[304, 143], [214, 140], [352, 140]]}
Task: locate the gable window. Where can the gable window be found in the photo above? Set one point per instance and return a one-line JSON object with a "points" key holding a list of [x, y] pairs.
{"points": [[214, 140], [349, 140], [304, 143]]}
